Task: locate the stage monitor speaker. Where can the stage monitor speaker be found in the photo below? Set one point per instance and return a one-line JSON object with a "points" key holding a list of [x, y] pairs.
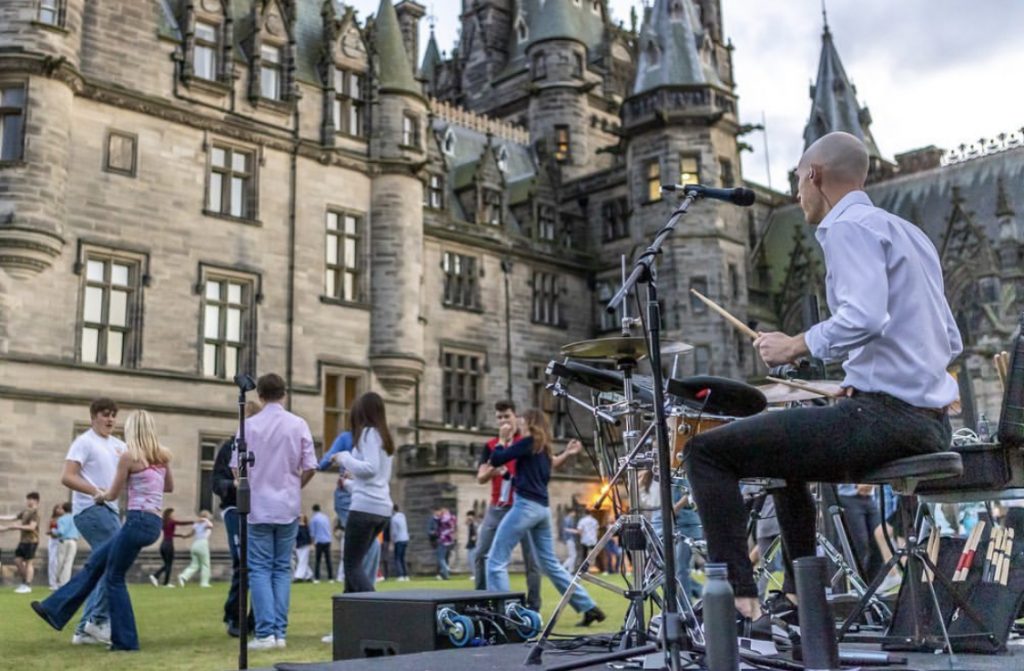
{"points": [[376, 624]]}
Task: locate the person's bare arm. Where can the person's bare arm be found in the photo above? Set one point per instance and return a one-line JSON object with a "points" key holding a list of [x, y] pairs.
{"points": [[168, 479], [8, 518], [307, 476], [683, 502], [120, 477], [486, 473], [572, 448], [71, 477]]}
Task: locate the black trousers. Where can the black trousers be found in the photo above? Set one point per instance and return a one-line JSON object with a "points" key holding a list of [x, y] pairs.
{"points": [[323, 550], [167, 555], [360, 532], [801, 445]]}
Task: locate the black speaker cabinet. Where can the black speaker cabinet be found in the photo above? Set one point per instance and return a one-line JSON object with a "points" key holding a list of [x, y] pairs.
{"points": [[376, 624]]}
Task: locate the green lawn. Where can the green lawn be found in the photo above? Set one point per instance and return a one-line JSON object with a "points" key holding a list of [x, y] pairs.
{"points": [[181, 628]]}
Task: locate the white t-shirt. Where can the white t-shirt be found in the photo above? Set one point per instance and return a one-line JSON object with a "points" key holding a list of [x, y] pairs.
{"points": [[98, 457], [587, 527], [202, 529]]}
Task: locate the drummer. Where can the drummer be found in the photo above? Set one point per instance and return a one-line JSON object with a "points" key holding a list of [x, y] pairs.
{"points": [[892, 325]]}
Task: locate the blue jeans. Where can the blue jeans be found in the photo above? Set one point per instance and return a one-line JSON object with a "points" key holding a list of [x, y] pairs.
{"points": [[400, 567], [110, 562], [530, 518], [97, 525], [441, 553], [270, 575], [372, 562]]}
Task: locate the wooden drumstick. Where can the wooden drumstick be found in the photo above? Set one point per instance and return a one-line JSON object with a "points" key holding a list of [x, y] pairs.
{"points": [[800, 384], [740, 326]]}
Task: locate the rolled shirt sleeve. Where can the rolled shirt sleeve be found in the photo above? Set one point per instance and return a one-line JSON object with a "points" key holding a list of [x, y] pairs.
{"points": [[857, 277]]}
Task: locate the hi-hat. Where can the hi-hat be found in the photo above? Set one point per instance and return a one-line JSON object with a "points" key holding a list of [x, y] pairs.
{"points": [[619, 348]]}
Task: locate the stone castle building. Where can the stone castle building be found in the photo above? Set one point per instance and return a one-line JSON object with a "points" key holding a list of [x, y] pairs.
{"points": [[195, 188]]}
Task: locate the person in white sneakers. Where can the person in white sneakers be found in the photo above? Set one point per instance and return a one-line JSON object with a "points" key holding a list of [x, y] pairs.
{"points": [[25, 553], [200, 551], [400, 537]]}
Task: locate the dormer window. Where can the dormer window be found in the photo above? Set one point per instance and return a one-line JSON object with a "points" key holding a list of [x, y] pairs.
{"points": [[503, 158], [448, 144], [270, 72], [204, 52], [653, 55], [595, 6], [522, 32], [492, 207], [348, 102]]}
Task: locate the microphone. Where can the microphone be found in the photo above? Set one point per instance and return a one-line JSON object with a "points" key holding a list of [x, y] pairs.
{"points": [[738, 196]]}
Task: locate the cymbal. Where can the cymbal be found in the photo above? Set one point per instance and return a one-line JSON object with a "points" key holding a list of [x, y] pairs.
{"points": [[718, 395], [619, 348], [782, 393]]}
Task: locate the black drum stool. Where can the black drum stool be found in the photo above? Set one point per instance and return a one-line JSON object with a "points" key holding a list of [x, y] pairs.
{"points": [[904, 475]]}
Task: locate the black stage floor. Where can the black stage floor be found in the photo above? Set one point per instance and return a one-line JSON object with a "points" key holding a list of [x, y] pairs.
{"points": [[511, 657]]}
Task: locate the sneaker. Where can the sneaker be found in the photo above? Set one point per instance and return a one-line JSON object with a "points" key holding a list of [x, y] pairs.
{"points": [[152, 579], [169, 586], [315, 581], [593, 615], [281, 642], [181, 581], [233, 630], [438, 576], [22, 589], [265, 643], [100, 632], [329, 638], [83, 639]]}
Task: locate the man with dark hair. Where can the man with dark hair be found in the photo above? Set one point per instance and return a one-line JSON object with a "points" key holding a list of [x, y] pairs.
{"points": [[320, 530], [282, 446], [25, 553], [89, 470]]}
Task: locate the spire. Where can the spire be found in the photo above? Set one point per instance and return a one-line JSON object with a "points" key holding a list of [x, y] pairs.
{"points": [[431, 58], [393, 61], [669, 53], [834, 104]]}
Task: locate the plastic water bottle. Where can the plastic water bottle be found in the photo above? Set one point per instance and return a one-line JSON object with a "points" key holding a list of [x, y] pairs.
{"points": [[719, 620], [984, 431]]}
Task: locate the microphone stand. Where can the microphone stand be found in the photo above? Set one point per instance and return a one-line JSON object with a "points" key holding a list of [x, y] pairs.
{"points": [[242, 504], [644, 272]]}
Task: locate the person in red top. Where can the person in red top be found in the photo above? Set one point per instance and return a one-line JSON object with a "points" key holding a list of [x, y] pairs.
{"points": [[501, 502]]}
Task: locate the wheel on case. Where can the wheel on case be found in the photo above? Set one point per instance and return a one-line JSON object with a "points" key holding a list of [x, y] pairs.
{"points": [[531, 623], [460, 631]]}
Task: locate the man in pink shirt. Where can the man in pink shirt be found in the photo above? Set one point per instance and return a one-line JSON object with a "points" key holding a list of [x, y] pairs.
{"points": [[284, 461]]}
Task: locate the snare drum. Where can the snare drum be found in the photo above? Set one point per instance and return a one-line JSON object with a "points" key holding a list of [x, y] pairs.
{"points": [[685, 426]]}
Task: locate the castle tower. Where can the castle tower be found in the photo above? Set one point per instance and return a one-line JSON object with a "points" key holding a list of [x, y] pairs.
{"points": [[409, 14], [396, 224], [680, 126], [483, 45], [41, 50]]}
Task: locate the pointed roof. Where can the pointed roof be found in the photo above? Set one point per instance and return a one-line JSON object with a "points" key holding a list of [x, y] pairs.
{"points": [[669, 53], [552, 20], [393, 61], [834, 105], [431, 59]]}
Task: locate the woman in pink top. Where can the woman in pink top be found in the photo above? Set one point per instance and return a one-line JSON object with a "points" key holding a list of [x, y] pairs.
{"points": [[145, 469]]}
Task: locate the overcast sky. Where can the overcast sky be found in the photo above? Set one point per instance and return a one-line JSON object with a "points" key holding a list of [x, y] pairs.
{"points": [[940, 72]]}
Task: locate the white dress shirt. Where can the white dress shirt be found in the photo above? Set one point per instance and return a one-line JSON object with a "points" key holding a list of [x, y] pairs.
{"points": [[890, 318]]}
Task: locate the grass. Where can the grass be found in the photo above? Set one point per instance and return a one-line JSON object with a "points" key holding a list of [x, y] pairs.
{"points": [[181, 628]]}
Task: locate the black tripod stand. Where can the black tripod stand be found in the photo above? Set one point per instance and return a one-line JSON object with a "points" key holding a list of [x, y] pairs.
{"points": [[245, 460]]}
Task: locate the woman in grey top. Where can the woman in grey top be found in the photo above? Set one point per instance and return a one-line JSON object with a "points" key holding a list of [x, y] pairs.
{"points": [[369, 467]]}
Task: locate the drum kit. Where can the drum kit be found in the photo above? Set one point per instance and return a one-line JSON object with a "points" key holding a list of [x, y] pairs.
{"points": [[621, 403]]}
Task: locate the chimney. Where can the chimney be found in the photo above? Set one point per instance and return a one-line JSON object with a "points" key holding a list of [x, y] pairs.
{"points": [[919, 160], [409, 15]]}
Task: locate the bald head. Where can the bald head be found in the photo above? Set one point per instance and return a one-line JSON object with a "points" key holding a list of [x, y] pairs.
{"points": [[841, 157]]}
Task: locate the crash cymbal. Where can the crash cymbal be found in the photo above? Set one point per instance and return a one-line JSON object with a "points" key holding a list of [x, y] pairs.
{"points": [[718, 395], [784, 393], [619, 348]]}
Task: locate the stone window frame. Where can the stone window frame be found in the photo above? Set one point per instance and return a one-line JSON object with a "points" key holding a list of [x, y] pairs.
{"points": [[555, 408], [433, 194], [276, 67], [615, 219], [562, 143], [702, 350], [491, 206], [251, 195], [20, 112], [689, 176], [215, 47], [108, 166], [338, 412], [700, 283], [358, 269], [579, 65], [538, 66], [604, 290], [247, 342], [522, 30], [652, 180], [546, 229], [224, 64], [463, 379], [411, 131], [204, 467], [727, 174], [137, 263], [58, 9], [462, 274], [546, 290], [344, 103]]}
